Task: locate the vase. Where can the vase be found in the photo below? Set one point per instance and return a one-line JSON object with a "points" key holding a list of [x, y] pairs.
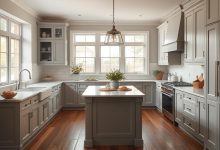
{"points": [[114, 84]]}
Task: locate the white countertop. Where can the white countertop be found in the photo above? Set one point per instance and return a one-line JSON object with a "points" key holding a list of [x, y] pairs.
{"points": [[191, 90], [93, 91], [23, 95]]}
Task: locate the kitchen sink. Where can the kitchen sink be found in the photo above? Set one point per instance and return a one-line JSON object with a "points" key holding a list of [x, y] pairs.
{"points": [[31, 89]]}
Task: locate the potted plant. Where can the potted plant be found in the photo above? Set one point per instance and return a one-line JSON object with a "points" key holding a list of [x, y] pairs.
{"points": [[76, 69], [158, 74], [115, 76]]}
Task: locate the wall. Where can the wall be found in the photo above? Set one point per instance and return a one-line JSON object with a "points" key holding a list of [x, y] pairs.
{"points": [[63, 72], [14, 10], [186, 71]]}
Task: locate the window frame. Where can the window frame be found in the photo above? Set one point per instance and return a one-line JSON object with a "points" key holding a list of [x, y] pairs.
{"points": [[10, 36], [98, 45]]}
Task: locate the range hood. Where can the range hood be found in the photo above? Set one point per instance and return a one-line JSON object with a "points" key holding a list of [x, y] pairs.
{"points": [[174, 37]]}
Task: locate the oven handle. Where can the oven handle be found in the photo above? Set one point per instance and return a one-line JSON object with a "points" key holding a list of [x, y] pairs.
{"points": [[169, 95]]}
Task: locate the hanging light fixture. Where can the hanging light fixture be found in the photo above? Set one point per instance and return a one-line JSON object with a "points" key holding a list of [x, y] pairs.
{"points": [[113, 37]]}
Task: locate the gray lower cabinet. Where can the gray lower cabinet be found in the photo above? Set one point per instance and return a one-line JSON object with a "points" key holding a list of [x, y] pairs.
{"points": [[190, 113], [70, 94], [149, 91], [158, 96], [213, 125], [21, 121]]}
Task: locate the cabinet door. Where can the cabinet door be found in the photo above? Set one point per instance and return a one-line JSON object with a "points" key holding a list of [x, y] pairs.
{"points": [[59, 52], [45, 32], [41, 114], [158, 96], [34, 119], [54, 104], [199, 53], [212, 125], [25, 125], [189, 37], [149, 90], [45, 51], [178, 106], [162, 57], [59, 32], [213, 13], [81, 100], [201, 118], [46, 111], [70, 94], [50, 103], [59, 102], [212, 61]]}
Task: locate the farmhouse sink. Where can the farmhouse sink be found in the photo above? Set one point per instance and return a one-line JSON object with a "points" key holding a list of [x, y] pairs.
{"points": [[31, 89]]}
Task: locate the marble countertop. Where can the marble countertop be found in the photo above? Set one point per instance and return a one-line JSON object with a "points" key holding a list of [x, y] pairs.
{"points": [[24, 95], [161, 81], [93, 91], [191, 90]]}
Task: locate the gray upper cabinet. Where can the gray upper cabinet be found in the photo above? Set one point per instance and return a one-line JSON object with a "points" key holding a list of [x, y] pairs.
{"points": [[195, 35], [212, 68], [213, 11], [52, 43]]}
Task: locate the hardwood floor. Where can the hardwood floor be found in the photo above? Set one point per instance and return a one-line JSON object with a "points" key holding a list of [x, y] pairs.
{"points": [[67, 132]]}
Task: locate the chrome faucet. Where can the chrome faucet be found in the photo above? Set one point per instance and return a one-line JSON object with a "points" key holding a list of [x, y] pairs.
{"points": [[19, 81]]}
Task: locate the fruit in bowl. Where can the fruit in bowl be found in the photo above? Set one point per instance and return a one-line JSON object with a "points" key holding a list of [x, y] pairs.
{"points": [[123, 88], [8, 94]]}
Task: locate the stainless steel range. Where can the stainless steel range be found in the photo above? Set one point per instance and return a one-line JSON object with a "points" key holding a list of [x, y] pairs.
{"points": [[168, 98]]}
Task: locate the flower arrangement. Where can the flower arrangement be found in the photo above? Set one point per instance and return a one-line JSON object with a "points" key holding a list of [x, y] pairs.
{"points": [[115, 75], [76, 69], [158, 74]]}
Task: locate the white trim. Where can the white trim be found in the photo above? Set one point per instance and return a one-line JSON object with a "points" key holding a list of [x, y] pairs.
{"points": [[98, 45]]}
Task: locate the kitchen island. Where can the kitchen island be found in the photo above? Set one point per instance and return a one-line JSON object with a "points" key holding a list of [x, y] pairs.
{"points": [[113, 117]]}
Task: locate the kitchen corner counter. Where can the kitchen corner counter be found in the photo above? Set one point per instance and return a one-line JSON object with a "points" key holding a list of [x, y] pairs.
{"points": [[191, 90]]}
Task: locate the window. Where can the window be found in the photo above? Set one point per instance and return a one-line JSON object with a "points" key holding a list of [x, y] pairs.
{"points": [[9, 50], [96, 57]]}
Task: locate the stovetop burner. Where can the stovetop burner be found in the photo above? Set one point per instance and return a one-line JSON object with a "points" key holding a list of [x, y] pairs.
{"points": [[177, 84]]}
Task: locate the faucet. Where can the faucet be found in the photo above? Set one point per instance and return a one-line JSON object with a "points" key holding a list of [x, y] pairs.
{"points": [[19, 81]]}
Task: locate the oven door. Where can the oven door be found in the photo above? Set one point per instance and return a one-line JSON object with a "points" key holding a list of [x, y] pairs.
{"points": [[168, 105]]}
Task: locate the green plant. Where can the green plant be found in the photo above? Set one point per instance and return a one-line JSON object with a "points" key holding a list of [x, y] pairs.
{"points": [[76, 68], [115, 75]]}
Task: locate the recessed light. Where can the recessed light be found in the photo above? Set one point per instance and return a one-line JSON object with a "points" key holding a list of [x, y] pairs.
{"points": [[140, 15], [79, 15]]}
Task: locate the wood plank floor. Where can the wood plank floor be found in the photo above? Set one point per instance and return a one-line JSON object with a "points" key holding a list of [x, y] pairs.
{"points": [[67, 132]]}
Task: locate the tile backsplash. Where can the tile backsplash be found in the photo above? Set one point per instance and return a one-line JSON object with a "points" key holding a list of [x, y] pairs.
{"points": [[187, 72]]}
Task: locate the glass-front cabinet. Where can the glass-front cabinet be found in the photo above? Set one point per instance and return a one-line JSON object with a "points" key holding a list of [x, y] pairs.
{"points": [[52, 47]]}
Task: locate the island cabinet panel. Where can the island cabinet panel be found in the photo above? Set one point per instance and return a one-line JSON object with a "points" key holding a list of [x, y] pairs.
{"points": [[34, 119], [25, 125]]}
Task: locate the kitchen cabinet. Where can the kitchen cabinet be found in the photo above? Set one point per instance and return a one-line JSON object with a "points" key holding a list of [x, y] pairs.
{"points": [[178, 106], [212, 125], [25, 125], [190, 113], [149, 91], [213, 11], [195, 35], [52, 43], [162, 57], [212, 85], [70, 94], [158, 97]]}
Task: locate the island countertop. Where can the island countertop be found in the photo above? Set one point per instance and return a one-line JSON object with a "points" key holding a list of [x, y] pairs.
{"points": [[94, 91]]}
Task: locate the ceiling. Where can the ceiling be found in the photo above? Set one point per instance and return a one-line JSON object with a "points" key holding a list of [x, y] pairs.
{"points": [[101, 10]]}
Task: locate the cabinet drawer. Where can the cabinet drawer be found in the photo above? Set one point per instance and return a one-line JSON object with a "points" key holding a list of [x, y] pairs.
{"points": [[189, 124], [34, 100], [25, 104], [189, 108]]}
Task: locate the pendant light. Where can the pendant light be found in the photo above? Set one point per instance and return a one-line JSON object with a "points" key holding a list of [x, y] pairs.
{"points": [[113, 37]]}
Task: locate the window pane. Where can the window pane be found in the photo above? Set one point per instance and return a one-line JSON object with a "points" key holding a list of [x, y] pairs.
{"points": [[139, 65], [84, 38], [15, 28], [129, 51], [139, 38], [90, 51], [3, 24], [129, 38], [108, 64], [90, 65], [80, 51], [3, 59], [110, 51], [139, 51], [129, 65], [3, 74], [102, 38], [3, 44], [14, 74]]}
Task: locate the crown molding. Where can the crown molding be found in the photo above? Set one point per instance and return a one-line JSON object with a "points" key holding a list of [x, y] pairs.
{"points": [[23, 6], [93, 22]]}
